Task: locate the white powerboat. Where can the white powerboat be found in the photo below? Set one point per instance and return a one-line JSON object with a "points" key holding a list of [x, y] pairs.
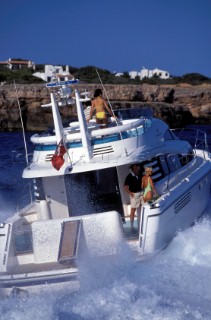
{"points": [[80, 207]]}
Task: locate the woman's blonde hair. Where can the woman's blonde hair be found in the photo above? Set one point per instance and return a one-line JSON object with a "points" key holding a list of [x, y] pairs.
{"points": [[148, 169]]}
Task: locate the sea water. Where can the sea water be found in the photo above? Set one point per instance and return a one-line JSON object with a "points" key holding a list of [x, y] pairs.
{"points": [[173, 285]]}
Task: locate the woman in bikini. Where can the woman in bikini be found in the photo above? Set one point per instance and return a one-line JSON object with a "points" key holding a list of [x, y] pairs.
{"points": [[148, 185], [99, 104]]}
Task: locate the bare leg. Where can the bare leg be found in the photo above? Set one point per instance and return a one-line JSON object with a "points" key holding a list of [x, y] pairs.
{"points": [[132, 214], [105, 122]]}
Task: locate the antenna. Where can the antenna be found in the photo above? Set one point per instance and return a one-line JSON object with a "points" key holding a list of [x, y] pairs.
{"points": [[23, 130]]}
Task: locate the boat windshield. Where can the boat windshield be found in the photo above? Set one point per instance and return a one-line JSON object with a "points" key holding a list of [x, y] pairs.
{"points": [[125, 114]]}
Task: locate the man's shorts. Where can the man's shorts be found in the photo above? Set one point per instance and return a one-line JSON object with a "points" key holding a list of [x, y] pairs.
{"points": [[136, 200]]}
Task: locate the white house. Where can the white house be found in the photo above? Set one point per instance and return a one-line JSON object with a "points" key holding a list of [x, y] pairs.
{"points": [[134, 74], [118, 74], [51, 71], [146, 73], [17, 64]]}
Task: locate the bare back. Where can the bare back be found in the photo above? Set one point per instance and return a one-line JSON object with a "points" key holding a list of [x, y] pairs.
{"points": [[99, 104]]}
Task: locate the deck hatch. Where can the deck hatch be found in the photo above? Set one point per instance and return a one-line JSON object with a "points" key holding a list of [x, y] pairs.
{"points": [[69, 240], [182, 202]]}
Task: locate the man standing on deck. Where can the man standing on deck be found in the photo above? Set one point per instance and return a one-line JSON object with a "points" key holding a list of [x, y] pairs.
{"points": [[132, 186]]}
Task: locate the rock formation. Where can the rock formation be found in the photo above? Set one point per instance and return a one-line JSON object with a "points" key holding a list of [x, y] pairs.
{"points": [[176, 104]]}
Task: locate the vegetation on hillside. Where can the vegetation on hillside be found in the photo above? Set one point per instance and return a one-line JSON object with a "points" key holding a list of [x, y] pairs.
{"points": [[89, 74], [23, 76]]}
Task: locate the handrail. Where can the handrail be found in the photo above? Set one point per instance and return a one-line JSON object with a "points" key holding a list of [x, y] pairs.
{"points": [[200, 138], [178, 170]]}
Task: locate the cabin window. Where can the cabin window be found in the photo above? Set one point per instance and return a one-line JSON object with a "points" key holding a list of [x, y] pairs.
{"points": [[164, 166], [158, 165], [93, 192], [168, 135], [186, 158], [173, 162]]}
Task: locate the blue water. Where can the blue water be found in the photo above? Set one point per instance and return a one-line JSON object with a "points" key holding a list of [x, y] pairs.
{"points": [[174, 285]]}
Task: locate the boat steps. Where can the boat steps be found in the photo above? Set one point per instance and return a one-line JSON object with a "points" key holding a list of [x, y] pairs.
{"points": [[69, 240]]}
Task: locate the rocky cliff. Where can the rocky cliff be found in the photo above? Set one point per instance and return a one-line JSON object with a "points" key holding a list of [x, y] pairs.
{"points": [[177, 105]]}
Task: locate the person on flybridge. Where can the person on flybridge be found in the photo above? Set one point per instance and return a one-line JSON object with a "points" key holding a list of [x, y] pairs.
{"points": [[100, 106]]}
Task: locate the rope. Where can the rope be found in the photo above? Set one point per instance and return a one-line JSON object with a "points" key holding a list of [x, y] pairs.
{"points": [[23, 130]]}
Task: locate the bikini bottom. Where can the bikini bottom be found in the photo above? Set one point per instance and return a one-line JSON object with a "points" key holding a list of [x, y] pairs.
{"points": [[101, 115]]}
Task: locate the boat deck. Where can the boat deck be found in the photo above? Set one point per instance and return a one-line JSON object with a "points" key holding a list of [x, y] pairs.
{"points": [[129, 234], [40, 267]]}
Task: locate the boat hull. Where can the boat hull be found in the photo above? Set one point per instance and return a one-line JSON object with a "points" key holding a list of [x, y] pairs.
{"points": [[176, 211]]}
